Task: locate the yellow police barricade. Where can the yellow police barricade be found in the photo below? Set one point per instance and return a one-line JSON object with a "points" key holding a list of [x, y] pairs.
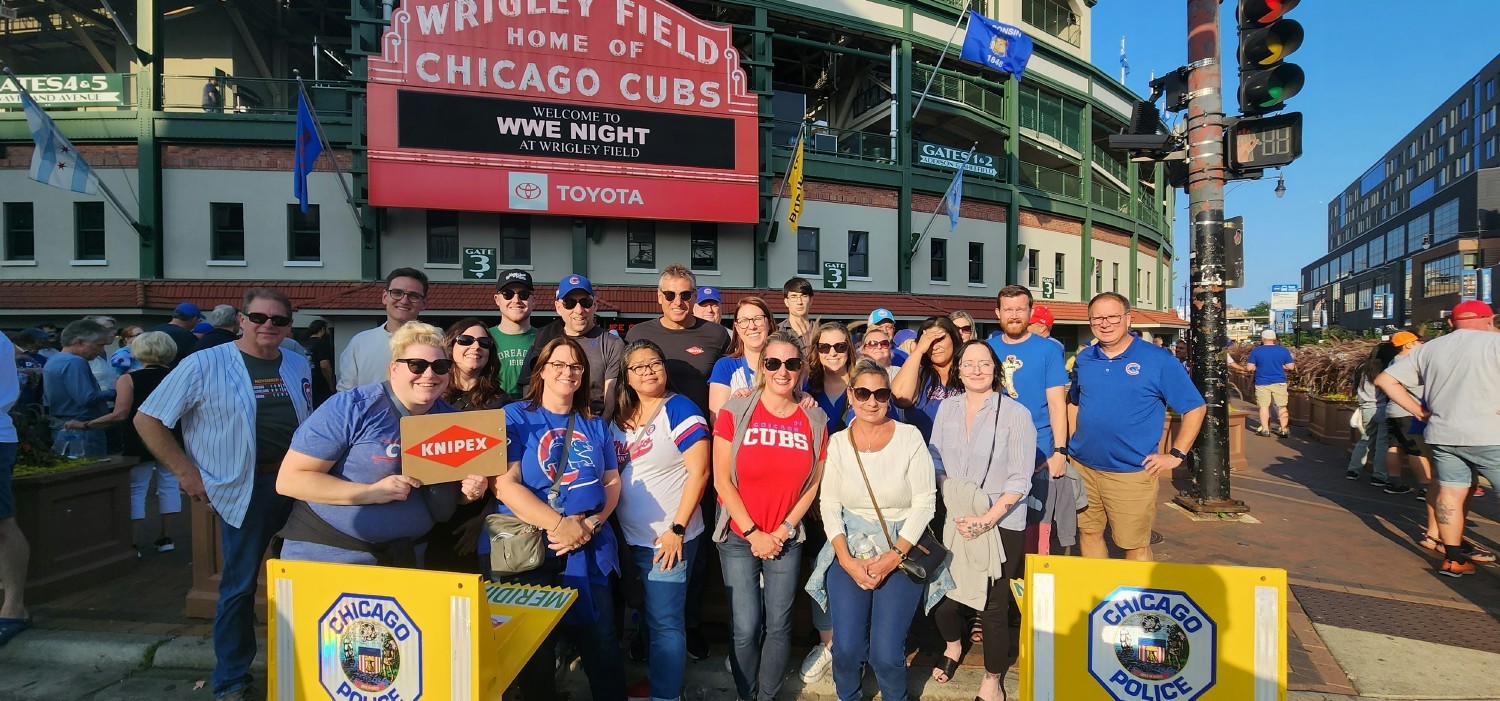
{"points": [[1142, 631], [361, 633]]}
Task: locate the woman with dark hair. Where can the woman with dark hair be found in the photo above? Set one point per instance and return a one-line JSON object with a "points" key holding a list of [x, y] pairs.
{"points": [[734, 374], [985, 445], [476, 368], [661, 443], [1373, 435], [921, 386], [831, 360], [551, 433]]}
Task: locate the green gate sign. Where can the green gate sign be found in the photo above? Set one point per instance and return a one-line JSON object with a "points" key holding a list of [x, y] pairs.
{"points": [[66, 90], [479, 264], [835, 275], [1048, 290]]}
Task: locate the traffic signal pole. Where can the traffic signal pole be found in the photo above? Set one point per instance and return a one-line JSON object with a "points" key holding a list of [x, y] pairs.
{"points": [[1206, 174]]}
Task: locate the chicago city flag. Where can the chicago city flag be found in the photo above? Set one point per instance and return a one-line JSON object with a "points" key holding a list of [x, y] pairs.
{"points": [[55, 162]]}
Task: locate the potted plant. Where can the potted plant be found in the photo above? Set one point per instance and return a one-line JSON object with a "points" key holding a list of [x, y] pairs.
{"points": [[75, 513], [1326, 369]]}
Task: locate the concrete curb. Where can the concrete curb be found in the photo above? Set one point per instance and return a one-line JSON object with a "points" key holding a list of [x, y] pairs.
{"points": [[81, 649], [197, 652]]}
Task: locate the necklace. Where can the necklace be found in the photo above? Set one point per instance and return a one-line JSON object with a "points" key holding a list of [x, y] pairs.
{"points": [[871, 436]]}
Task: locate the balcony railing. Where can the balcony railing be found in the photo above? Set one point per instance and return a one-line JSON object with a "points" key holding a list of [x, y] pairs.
{"points": [[237, 95], [956, 89], [1110, 164], [847, 143], [1053, 18], [1109, 197], [1049, 180]]}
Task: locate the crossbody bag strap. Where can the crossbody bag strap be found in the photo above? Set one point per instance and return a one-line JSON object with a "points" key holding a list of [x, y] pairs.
{"points": [[871, 490], [562, 467]]}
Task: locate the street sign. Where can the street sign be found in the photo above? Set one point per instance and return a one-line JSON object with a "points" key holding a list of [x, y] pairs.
{"points": [[479, 263], [66, 90], [1468, 288], [1234, 252], [1284, 296], [1048, 290], [835, 275], [1378, 309]]}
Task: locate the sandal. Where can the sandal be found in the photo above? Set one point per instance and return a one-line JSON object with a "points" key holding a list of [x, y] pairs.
{"points": [[948, 667], [1430, 543], [976, 633], [1474, 552]]}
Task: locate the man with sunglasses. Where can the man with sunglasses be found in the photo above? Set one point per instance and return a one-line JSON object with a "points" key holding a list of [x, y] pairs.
{"points": [[238, 405], [576, 308], [368, 356], [691, 345], [514, 334]]}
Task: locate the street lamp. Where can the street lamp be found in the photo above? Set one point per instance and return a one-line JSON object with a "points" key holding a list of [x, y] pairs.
{"points": [[1280, 187]]}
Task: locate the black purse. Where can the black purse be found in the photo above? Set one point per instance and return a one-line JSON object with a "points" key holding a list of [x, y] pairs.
{"points": [[926, 555]]}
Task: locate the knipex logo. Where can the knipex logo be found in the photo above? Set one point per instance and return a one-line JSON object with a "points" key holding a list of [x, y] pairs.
{"points": [[453, 446]]}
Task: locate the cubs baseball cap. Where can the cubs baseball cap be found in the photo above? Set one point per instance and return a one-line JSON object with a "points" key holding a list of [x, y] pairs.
{"points": [[903, 336], [574, 282], [187, 310], [709, 294], [202, 327], [36, 333], [515, 276], [1040, 314], [1472, 309], [881, 315], [1401, 338], [1267, 335]]}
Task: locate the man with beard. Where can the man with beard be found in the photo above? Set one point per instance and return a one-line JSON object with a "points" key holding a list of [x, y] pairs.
{"points": [[514, 334], [1032, 368], [367, 358]]}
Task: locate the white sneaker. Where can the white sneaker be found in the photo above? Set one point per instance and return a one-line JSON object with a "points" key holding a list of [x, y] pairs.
{"points": [[817, 663]]}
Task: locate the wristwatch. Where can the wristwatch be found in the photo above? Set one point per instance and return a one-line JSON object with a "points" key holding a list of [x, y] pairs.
{"points": [[594, 523], [679, 530], [1177, 454], [791, 531], [1063, 449]]}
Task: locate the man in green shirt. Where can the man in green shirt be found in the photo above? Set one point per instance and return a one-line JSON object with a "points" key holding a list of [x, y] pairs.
{"points": [[514, 334]]}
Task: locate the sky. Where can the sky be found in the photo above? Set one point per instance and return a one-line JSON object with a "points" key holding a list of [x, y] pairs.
{"points": [[1374, 71]]}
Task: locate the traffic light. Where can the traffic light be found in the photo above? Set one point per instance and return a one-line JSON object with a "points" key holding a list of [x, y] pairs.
{"points": [[1266, 39]]}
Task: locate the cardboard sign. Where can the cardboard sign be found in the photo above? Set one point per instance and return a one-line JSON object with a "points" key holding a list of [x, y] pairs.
{"points": [[437, 448]]}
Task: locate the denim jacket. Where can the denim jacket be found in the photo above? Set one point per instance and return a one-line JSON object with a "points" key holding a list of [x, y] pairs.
{"points": [[856, 529]]}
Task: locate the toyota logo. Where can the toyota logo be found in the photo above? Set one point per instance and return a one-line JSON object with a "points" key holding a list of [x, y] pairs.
{"points": [[528, 191]]}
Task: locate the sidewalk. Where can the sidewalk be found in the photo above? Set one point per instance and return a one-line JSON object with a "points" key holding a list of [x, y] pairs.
{"points": [[1369, 618]]}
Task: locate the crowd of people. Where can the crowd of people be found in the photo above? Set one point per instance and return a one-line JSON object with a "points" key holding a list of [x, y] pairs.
{"points": [[809, 456]]}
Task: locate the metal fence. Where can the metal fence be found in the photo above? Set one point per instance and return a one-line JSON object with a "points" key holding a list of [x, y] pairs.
{"points": [[1049, 180], [237, 95]]}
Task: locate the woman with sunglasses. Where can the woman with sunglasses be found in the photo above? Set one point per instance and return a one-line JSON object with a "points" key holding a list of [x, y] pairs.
{"points": [[876, 345], [734, 374], [872, 603], [661, 442], [985, 444], [965, 325], [768, 456], [919, 387], [354, 504], [581, 552]]}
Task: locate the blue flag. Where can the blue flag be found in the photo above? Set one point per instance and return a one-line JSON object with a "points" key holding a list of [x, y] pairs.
{"points": [[954, 198], [54, 161], [309, 147], [996, 45]]}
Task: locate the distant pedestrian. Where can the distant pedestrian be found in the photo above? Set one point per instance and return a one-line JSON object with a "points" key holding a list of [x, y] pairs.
{"points": [[14, 550], [123, 360], [1374, 434], [1270, 361], [213, 97], [367, 357], [184, 317], [320, 354], [224, 327], [69, 386]]}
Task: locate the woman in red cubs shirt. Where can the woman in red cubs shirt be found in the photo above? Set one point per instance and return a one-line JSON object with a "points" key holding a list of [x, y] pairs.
{"points": [[767, 461]]}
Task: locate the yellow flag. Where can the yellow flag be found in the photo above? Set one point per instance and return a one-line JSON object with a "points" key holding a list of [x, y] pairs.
{"points": [[794, 178]]}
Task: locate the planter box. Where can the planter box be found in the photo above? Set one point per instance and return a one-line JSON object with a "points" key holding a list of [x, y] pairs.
{"points": [[1330, 421], [208, 565], [1237, 460], [78, 525], [1299, 407]]}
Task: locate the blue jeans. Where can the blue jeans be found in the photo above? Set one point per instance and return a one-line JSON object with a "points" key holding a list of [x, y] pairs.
{"points": [[596, 642], [243, 549], [871, 626], [666, 618], [1374, 433], [761, 617]]}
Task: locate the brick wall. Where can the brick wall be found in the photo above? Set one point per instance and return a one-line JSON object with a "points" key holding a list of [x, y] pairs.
{"points": [[208, 157], [1051, 222], [18, 156], [1114, 236]]}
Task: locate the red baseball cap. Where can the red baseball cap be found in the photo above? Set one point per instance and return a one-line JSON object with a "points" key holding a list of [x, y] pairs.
{"points": [[1472, 309], [1040, 314]]}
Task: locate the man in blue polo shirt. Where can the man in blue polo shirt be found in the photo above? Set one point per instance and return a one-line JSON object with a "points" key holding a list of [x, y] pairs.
{"points": [[1031, 366], [1122, 387], [1270, 361]]}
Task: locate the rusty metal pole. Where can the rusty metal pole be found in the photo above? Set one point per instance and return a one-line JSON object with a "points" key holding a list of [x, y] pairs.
{"points": [[1206, 167]]}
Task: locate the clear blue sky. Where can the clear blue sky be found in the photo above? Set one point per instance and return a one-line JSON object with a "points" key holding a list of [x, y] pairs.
{"points": [[1366, 88]]}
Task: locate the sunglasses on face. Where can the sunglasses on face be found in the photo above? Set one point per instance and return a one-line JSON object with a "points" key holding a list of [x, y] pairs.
{"points": [[258, 318], [966, 329], [792, 364], [512, 294], [840, 347], [585, 302], [466, 340], [418, 366], [399, 295], [672, 295], [863, 394], [878, 345]]}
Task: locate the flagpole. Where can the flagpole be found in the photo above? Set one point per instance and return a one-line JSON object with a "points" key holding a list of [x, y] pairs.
{"points": [[776, 205], [941, 201], [328, 149], [962, 18]]}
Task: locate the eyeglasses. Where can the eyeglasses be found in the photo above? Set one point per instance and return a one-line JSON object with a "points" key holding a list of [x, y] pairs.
{"points": [[976, 365], [1111, 320], [672, 295], [840, 347], [467, 340], [258, 318], [585, 302], [399, 295], [863, 394], [512, 294], [746, 322], [418, 366], [644, 369], [561, 367], [792, 364], [966, 330], [796, 297], [878, 345]]}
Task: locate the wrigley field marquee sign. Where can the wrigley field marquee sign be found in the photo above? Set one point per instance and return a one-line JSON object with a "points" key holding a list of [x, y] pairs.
{"points": [[607, 108]]}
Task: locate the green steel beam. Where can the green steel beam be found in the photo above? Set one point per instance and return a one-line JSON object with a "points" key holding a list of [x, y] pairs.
{"points": [[149, 51], [901, 75]]}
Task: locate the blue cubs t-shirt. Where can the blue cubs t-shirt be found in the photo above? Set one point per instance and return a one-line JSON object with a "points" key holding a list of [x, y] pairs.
{"points": [[732, 372], [1268, 361], [1122, 404], [1029, 369], [924, 410], [534, 438], [360, 431]]}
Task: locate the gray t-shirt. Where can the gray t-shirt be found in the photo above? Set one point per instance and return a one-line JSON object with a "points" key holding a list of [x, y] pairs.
{"points": [[691, 354], [1394, 410], [1461, 374]]}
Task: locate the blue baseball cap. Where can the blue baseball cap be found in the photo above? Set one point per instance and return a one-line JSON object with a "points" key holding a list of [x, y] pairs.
{"points": [[574, 282], [202, 327], [881, 315], [187, 310], [35, 333], [706, 294], [903, 336]]}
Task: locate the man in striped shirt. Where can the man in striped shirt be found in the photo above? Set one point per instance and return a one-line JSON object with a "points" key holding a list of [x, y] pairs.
{"points": [[238, 405]]}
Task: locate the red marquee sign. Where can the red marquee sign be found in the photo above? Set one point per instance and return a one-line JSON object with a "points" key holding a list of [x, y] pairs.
{"points": [[609, 108]]}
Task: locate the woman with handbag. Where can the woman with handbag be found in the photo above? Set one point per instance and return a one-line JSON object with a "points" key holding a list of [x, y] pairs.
{"points": [[561, 487], [354, 504], [930, 375], [985, 445], [878, 495], [661, 440], [768, 456]]}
